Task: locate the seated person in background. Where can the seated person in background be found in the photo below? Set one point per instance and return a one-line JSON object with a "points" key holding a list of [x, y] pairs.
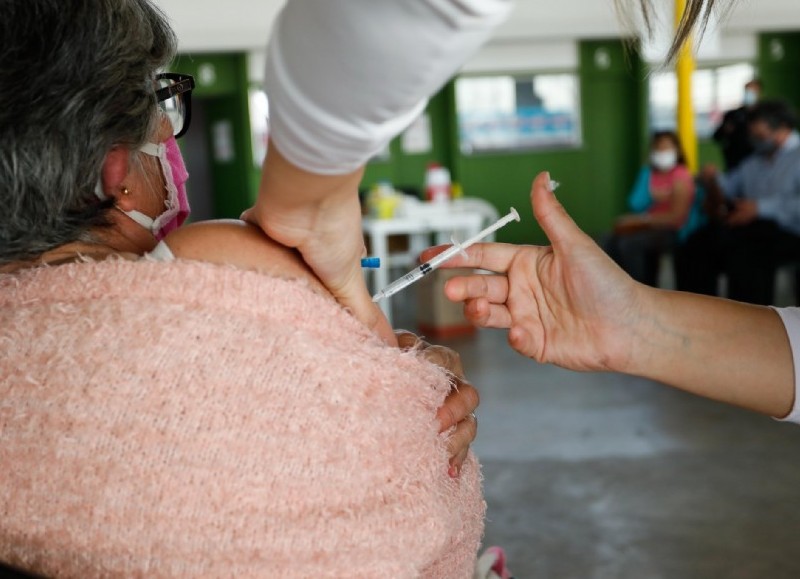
{"points": [[732, 134], [215, 415], [661, 202], [754, 212]]}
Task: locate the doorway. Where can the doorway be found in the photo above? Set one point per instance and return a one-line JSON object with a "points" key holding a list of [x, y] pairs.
{"points": [[195, 149]]}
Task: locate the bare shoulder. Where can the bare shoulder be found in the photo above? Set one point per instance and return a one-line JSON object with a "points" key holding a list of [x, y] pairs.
{"points": [[240, 244]]}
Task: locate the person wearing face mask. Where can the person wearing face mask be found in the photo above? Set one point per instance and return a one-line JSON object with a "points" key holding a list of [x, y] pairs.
{"points": [[190, 400], [732, 134], [661, 201], [754, 214], [176, 205]]}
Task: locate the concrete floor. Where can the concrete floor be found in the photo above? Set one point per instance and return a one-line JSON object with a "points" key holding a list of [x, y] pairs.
{"points": [[606, 476]]}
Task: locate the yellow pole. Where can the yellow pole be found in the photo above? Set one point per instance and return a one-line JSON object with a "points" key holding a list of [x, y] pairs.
{"points": [[684, 68]]}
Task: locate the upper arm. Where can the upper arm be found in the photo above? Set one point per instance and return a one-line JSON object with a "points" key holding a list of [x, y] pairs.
{"points": [[240, 244]]}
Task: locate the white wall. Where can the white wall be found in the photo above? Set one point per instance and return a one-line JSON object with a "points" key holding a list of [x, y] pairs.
{"points": [[221, 25], [540, 34], [521, 55]]}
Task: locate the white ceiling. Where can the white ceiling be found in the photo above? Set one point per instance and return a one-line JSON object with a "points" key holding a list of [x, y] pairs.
{"points": [[539, 33], [244, 24]]}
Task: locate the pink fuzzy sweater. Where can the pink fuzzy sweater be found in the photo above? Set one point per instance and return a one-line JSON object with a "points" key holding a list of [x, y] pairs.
{"points": [[186, 419]]}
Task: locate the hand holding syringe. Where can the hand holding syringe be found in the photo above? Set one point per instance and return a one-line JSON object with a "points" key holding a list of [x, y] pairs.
{"points": [[429, 266]]}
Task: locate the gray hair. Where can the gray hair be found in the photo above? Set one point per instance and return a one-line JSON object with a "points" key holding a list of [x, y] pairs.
{"points": [[77, 80]]}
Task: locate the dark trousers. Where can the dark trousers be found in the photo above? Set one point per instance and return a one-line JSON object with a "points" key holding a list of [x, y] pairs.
{"points": [[749, 255], [639, 253]]}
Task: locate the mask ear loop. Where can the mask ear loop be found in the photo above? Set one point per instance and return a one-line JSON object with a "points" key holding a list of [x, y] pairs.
{"points": [[159, 151], [152, 149], [140, 218]]}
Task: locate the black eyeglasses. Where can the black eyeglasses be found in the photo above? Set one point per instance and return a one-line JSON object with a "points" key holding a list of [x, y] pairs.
{"points": [[174, 96]]}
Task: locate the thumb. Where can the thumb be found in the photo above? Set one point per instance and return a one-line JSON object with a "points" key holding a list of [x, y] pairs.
{"points": [[559, 227], [522, 341]]}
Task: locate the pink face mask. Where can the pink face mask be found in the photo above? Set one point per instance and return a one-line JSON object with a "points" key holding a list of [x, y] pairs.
{"points": [[177, 201]]}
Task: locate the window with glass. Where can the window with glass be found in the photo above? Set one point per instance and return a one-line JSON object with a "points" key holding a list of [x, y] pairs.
{"points": [[512, 113], [714, 91]]}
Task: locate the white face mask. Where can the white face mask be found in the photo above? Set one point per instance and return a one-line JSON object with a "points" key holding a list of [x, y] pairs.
{"points": [[750, 97], [664, 160]]}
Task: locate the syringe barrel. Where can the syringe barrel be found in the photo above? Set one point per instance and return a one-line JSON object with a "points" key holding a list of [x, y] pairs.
{"points": [[404, 281], [438, 260]]}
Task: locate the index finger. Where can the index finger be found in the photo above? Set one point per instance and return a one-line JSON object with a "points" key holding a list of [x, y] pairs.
{"points": [[495, 257]]}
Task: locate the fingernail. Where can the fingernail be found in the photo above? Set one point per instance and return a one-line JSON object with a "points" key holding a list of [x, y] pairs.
{"points": [[453, 471]]}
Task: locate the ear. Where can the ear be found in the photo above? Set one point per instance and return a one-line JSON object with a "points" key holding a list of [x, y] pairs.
{"points": [[115, 170]]}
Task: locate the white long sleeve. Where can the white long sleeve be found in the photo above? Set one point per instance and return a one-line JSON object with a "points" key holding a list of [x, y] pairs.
{"points": [[344, 77], [791, 320]]}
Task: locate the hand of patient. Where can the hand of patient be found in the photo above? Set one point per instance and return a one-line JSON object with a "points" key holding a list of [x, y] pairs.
{"points": [[460, 404]]}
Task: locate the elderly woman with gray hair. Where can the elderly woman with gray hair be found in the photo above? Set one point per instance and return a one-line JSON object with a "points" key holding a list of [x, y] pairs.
{"points": [[218, 414]]}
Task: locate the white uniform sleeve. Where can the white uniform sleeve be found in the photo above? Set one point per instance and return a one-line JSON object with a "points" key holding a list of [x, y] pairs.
{"points": [[791, 320], [344, 77]]}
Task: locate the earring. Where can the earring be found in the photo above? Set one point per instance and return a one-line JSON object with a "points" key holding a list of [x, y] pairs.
{"points": [[125, 191]]}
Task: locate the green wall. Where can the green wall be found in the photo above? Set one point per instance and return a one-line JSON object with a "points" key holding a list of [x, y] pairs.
{"points": [[779, 65], [595, 177], [221, 82], [708, 153], [404, 170]]}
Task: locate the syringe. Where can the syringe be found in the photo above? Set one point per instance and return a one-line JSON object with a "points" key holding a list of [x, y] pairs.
{"points": [[429, 266]]}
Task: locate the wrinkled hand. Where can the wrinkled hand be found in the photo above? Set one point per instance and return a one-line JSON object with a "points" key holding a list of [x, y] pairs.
{"points": [[567, 304], [744, 212], [459, 405]]}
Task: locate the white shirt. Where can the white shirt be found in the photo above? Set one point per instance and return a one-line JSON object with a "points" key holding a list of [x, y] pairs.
{"points": [[344, 78]]}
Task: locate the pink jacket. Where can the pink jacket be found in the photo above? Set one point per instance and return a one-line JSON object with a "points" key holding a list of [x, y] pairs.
{"points": [[186, 419]]}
